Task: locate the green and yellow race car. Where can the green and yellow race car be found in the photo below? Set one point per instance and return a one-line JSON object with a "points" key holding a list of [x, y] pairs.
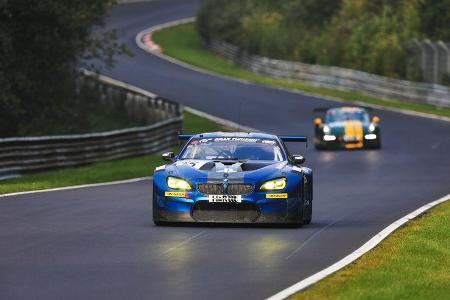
{"points": [[346, 128]]}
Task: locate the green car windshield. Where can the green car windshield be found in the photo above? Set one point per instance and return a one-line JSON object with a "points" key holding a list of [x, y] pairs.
{"points": [[346, 115]]}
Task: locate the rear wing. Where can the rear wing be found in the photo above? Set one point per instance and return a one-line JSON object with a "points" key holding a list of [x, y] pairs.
{"points": [[324, 109], [284, 138], [293, 138]]}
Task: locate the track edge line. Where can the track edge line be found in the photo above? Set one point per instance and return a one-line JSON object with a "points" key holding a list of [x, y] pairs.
{"points": [[366, 247], [81, 186]]}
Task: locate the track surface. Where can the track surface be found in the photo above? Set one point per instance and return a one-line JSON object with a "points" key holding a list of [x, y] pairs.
{"points": [[100, 243]]}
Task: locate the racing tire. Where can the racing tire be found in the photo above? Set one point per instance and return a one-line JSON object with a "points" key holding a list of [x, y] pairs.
{"points": [[378, 145], [319, 147], [159, 223], [308, 216]]}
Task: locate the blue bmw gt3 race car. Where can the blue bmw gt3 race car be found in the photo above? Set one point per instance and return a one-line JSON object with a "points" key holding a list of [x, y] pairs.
{"points": [[233, 178]]}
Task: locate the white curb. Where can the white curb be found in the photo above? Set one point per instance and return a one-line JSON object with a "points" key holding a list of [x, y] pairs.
{"points": [[301, 285]]}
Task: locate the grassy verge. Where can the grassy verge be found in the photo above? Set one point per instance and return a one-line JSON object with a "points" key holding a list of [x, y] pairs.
{"points": [[183, 43], [413, 263], [105, 171]]}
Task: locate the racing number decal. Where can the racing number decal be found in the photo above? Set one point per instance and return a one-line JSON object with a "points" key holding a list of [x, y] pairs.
{"points": [[277, 196]]}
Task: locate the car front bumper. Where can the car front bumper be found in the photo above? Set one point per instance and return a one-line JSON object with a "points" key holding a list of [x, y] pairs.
{"points": [[254, 208]]}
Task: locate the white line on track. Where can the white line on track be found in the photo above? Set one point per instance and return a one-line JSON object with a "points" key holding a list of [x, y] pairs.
{"points": [[184, 242], [78, 186], [153, 29], [314, 235], [374, 241]]}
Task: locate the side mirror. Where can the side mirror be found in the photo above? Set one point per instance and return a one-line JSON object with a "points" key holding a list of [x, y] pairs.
{"points": [[168, 156], [298, 159], [317, 121], [375, 120]]}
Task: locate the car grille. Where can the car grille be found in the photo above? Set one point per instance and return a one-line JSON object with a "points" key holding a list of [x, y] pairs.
{"points": [[239, 189], [232, 189], [204, 211]]}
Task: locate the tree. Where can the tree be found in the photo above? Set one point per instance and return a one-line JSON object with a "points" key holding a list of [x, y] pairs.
{"points": [[43, 44], [435, 19]]}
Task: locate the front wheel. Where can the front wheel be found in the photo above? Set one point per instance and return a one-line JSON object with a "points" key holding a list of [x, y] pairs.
{"points": [[307, 215]]}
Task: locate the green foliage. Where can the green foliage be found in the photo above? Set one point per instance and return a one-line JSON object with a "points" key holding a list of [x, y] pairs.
{"points": [[435, 19], [43, 43], [366, 34]]}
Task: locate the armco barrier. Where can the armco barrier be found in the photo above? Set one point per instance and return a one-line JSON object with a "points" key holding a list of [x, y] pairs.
{"points": [[336, 77], [28, 154]]}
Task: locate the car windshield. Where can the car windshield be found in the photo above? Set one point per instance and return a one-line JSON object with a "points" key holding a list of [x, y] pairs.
{"points": [[341, 115], [233, 148]]}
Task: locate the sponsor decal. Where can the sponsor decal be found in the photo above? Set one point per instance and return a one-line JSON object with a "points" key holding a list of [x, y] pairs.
{"points": [[277, 196], [270, 142], [175, 194], [197, 164], [233, 139]]}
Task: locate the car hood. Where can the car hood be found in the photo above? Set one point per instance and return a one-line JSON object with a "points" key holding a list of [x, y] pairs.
{"points": [[207, 170], [346, 127]]}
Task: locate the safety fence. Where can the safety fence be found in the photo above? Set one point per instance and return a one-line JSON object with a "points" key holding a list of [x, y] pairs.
{"points": [[336, 77], [433, 59], [27, 154]]}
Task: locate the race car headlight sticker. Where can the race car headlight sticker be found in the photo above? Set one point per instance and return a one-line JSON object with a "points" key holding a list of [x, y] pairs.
{"points": [[276, 184], [178, 184], [329, 138], [326, 129], [370, 136], [372, 127]]}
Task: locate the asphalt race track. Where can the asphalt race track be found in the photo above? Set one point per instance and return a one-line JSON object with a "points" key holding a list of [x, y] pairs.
{"points": [[100, 242]]}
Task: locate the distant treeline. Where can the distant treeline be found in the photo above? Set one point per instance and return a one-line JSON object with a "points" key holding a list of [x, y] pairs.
{"points": [[367, 35]]}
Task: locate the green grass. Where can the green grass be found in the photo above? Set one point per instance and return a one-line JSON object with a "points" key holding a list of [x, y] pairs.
{"points": [[183, 43], [413, 263], [105, 171]]}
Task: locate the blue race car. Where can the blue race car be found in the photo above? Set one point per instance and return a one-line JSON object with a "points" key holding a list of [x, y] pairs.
{"points": [[233, 178]]}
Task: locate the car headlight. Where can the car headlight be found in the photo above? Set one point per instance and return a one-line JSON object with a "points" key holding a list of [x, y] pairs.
{"points": [[372, 127], [276, 184], [178, 184], [326, 129]]}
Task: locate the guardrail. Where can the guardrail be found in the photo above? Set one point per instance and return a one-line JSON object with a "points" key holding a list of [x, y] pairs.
{"points": [[336, 77], [28, 154]]}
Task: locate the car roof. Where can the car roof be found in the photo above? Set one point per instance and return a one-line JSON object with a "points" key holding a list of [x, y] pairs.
{"points": [[236, 134]]}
